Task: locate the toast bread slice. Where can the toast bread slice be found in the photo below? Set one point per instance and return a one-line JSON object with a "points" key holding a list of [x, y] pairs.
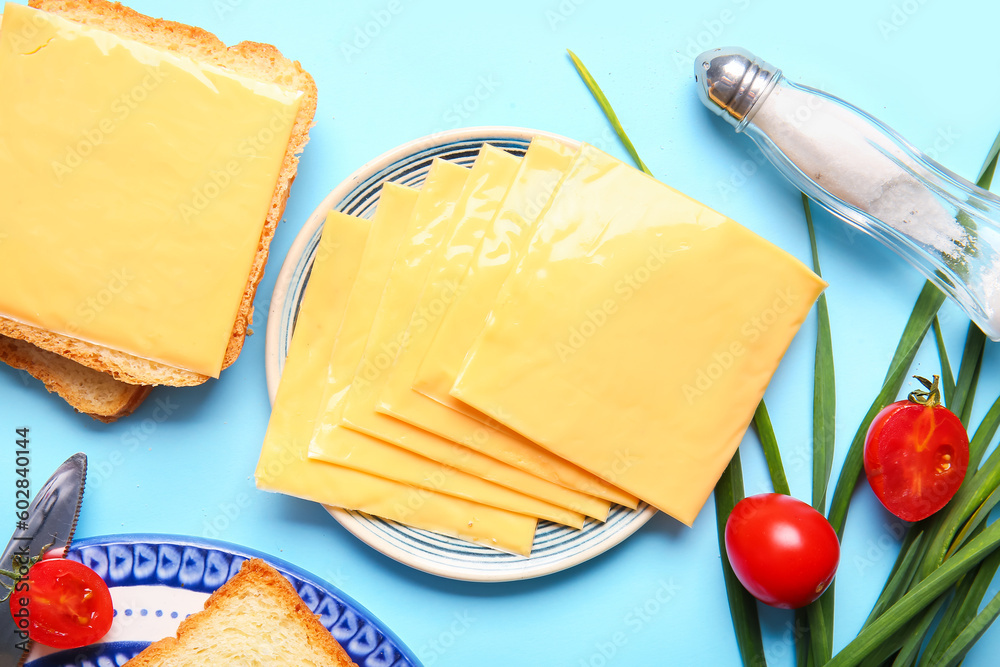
{"points": [[256, 619], [261, 62], [86, 390]]}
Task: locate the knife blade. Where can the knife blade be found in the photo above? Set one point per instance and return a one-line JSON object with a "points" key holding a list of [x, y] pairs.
{"points": [[50, 524]]}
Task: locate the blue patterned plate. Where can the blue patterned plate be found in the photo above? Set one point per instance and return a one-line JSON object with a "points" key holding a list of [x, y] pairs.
{"points": [[157, 580], [556, 547]]}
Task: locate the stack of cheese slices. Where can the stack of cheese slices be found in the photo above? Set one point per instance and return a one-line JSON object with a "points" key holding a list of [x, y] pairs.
{"points": [[146, 166], [528, 339]]}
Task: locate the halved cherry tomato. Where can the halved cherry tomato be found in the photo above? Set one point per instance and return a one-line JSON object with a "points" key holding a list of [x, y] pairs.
{"points": [[62, 603], [782, 550], [916, 454]]}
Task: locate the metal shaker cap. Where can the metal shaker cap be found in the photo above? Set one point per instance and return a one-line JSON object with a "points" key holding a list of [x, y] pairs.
{"points": [[731, 81]]}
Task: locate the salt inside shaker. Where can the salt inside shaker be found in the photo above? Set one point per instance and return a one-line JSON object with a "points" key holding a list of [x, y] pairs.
{"points": [[863, 172]]}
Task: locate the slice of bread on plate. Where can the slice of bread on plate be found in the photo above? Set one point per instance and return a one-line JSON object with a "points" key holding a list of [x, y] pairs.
{"points": [[86, 390], [258, 62], [256, 619]]}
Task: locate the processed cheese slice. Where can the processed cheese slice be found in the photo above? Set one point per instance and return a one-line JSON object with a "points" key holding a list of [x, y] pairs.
{"points": [[147, 179], [284, 466], [462, 519], [544, 166], [488, 183], [428, 226], [435, 512], [361, 452], [637, 335], [507, 233], [358, 451], [392, 215]]}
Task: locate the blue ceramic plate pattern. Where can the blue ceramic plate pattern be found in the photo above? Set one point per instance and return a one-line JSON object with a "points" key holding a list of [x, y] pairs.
{"points": [[555, 547], [158, 580]]}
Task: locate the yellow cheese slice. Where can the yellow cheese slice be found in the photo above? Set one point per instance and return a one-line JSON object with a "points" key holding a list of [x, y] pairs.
{"points": [[488, 184], [284, 466], [358, 451], [361, 452], [637, 335], [146, 177], [428, 226], [541, 170], [544, 166]]}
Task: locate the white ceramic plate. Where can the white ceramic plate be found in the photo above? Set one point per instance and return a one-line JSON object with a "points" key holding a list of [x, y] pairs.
{"points": [[556, 547]]}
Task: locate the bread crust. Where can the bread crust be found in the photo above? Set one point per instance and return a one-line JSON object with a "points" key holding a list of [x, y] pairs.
{"points": [[261, 62], [88, 391], [255, 576]]}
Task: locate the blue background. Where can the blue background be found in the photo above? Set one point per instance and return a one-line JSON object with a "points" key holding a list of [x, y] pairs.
{"points": [[183, 463]]}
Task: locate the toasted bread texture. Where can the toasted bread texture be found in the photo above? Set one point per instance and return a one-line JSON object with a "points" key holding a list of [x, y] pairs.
{"points": [[260, 62], [86, 390], [256, 619]]}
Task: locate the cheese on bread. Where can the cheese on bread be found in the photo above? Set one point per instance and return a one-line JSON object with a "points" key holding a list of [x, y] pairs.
{"points": [[259, 64]]}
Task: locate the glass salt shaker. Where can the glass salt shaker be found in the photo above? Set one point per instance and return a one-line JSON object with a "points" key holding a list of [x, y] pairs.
{"points": [[865, 173]]}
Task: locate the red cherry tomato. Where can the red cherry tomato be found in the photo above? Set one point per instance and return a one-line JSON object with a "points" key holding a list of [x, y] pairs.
{"points": [[916, 455], [782, 550], [62, 603]]}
